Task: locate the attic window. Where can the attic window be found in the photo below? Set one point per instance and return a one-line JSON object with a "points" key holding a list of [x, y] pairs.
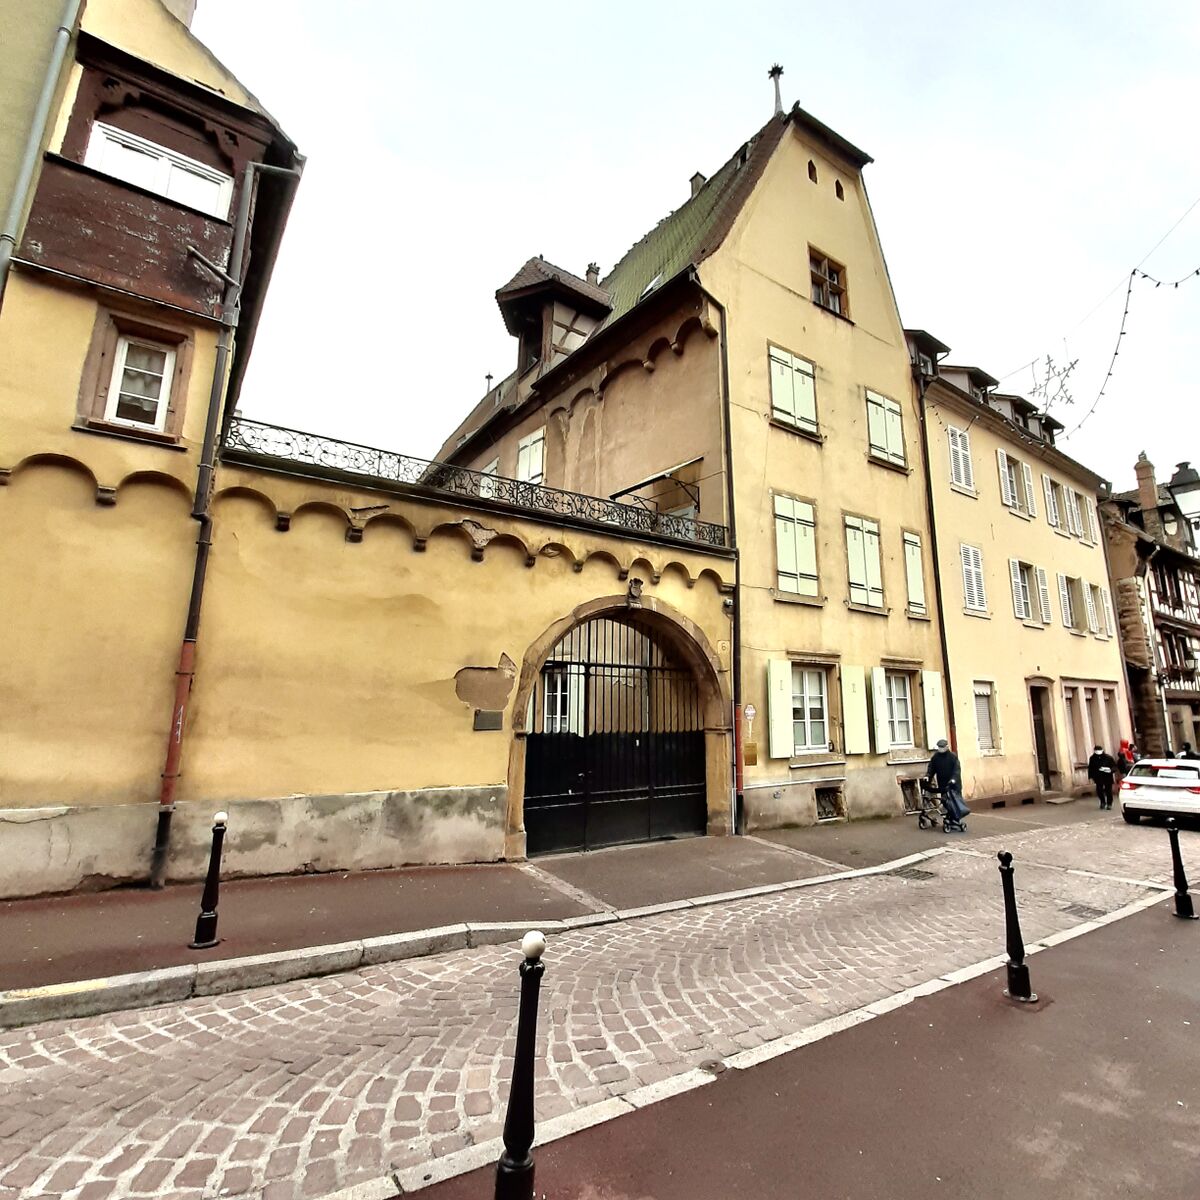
{"points": [[651, 285], [839, 190], [812, 170]]}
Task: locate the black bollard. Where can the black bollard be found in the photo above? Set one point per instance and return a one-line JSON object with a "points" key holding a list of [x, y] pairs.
{"points": [[206, 923], [1018, 973], [1183, 901], [514, 1171]]}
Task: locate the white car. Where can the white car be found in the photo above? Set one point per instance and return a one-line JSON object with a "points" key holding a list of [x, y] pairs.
{"points": [[1160, 785]]}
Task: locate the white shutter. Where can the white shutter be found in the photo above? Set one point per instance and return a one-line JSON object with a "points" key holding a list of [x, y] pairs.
{"points": [[956, 469], [964, 449], [856, 559], [785, 544], [1106, 604], [856, 738], [1006, 491], [1074, 523], [781, 385], [1064, 600], [876, 424], [1089, 604], [879, 710], [806, 549], [935, 707], [1030, 503], [914, 570], [1051, 503], [1089, 523], [1020, 609], [974, 593], [804, 398], [873, 564], [895, 431], [779, 708], [1044, 596]]}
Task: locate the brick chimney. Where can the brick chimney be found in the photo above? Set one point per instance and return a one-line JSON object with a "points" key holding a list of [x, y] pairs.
{"points": [[593, 274], [1147, 488]]}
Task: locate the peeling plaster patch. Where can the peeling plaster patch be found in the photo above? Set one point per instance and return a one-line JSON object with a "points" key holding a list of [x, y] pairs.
{"points": [[486, 687]]}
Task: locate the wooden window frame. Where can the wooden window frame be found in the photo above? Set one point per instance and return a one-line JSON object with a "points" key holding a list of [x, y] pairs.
{"points": [[99, 371], [822, 669], [823, 286], [890, 674]]}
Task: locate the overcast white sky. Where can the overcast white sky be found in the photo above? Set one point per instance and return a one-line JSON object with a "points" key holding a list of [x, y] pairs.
{"points": [[1027, 155]]}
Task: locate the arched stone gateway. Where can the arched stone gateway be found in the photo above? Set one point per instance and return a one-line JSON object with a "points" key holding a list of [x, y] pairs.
{"points": [[622, 732]]}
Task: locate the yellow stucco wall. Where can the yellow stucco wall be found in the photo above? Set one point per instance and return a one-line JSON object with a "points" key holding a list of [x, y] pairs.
{"points": [[999, 648], [44, 340], [761, 274]]}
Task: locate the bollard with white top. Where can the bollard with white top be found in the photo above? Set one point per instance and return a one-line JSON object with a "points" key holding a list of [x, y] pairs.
{"points": [[206, 922], [514, 1171]]}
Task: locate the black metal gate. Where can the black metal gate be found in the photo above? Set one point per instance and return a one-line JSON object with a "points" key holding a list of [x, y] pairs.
{"points": [[615, 751]]}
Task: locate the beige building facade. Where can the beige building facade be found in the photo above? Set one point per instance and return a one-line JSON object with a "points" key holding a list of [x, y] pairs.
{"points": [[746, 365], [1036, 675]]}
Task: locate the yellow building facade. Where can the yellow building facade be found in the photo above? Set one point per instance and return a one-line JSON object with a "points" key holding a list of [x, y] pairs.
{"points": [[751, 369], [1036, 673], [367, 659]]}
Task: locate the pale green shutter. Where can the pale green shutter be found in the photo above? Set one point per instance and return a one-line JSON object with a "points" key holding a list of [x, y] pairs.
{"points": [[856, 737], [935, 707], [879, 710], [779, 708]]}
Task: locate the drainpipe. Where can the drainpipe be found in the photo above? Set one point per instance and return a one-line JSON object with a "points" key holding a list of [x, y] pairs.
{"points": [[937, 561], [739, 814], [185, 672], [37, 131]]}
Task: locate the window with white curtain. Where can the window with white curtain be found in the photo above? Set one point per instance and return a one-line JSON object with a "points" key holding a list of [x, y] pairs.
{"points": [[810, 709], [140, 390]]}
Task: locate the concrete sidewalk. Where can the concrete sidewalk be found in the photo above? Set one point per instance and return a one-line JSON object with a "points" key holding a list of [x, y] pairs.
{"points": [[64, 939], [1090, 1093]]}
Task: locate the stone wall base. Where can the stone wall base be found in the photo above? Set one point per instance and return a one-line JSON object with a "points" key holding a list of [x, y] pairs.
{"points": [[91, 847]]}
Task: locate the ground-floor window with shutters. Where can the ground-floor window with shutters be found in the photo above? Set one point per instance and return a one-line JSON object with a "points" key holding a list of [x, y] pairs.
{"points": [[985, 715]]}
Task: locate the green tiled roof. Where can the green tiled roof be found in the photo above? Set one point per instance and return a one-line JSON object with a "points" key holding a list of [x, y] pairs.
{"points": [[694, 231]]}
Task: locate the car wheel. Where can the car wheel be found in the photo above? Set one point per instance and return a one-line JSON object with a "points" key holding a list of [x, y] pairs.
{"points": [[1132, 816]]}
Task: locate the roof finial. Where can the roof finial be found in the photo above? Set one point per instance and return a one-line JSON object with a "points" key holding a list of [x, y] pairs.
{"points": [[774, 73], [488, 377]]}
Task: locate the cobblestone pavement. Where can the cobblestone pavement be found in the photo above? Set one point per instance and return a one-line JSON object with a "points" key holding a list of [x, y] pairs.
{"points": [[298, 1090]]}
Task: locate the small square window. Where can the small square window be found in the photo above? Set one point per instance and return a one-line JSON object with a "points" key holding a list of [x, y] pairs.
{"points": [[828, 283]]}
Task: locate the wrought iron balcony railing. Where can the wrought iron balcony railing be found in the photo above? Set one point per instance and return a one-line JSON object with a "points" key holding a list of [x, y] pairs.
{"points": [[255, 441]]}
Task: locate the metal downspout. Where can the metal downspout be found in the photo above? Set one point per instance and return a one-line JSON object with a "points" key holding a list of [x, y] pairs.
{"points": [[37, 130], [937, 563], [185, 672], [738, 815]]}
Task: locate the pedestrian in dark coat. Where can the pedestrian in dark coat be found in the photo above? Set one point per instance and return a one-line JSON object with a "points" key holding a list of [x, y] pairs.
{"points": [[1101, 769], [946, 770], [1186, 751]]}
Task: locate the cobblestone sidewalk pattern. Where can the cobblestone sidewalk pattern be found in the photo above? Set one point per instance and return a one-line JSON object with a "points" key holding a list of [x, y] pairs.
{"points": [[298, 1090]]}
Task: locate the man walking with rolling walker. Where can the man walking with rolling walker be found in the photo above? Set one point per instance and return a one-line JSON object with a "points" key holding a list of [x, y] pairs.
{"points": [[945, 772]]}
